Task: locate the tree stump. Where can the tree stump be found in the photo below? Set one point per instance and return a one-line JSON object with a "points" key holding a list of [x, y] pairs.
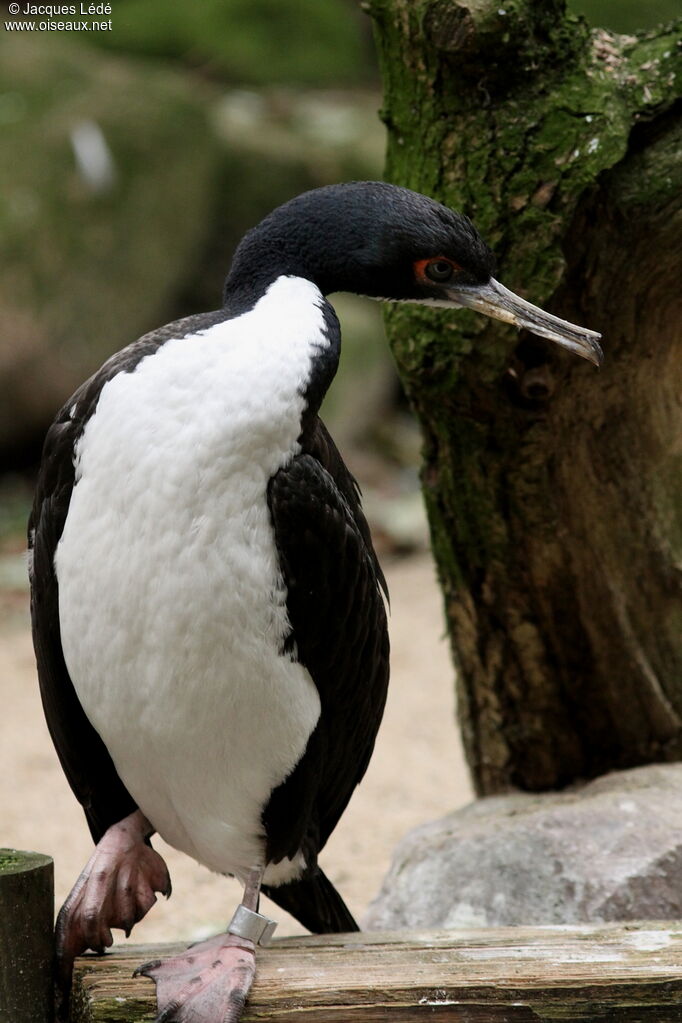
{"points": [[26, 937]]}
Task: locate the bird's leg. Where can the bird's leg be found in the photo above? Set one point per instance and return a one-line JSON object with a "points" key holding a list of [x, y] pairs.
{"points": [[211, 980], [116, 888]]}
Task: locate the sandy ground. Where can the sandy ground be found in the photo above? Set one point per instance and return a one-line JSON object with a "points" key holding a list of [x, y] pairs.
{"points": [[417, 772]]}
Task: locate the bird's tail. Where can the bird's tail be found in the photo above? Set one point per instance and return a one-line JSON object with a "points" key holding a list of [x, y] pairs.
{"points": [[315, 903]]}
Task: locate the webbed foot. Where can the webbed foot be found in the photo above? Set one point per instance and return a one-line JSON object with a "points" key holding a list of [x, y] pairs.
{"points": [[208, 983]]}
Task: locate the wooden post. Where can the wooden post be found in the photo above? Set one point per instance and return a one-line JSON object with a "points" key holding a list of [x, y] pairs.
{"points": [[26, 929]]}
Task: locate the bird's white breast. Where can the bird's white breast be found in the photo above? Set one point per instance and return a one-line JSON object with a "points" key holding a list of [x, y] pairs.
{"points": [[172, 606]]}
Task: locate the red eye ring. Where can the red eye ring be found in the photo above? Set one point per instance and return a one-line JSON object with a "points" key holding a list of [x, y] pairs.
{"points": [[435, 270]]}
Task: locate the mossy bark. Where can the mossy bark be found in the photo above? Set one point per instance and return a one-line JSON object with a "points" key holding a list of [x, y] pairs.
{"points": [[554, 491]]}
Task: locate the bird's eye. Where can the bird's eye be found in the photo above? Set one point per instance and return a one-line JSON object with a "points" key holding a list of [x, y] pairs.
{"points": [[439, 270], [436, 270]]}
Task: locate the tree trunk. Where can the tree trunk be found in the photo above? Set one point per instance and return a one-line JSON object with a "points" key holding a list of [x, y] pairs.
{"points": [[554, 491]]}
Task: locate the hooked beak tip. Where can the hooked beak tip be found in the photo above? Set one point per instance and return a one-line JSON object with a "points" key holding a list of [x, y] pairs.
{"points": [[597, 356]]}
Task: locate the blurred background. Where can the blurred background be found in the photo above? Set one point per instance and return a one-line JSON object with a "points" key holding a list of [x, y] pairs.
{"points": [[133, 160]]}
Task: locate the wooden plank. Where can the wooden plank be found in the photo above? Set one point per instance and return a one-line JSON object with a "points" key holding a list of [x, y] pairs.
{"points": [[620, 973], [26, 947]]}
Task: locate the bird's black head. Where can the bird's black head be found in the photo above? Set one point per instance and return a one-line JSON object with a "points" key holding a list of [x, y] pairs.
{"points": [[367, 237], [380, 240]]}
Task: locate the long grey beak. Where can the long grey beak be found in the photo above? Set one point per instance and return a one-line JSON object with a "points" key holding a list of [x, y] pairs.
{"points": [[496, 301]]}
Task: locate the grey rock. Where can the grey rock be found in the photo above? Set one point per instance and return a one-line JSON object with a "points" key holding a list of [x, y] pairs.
{"points": [[609, 850]]}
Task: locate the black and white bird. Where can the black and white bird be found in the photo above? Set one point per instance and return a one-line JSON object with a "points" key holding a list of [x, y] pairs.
{"points": [[208, 613]]}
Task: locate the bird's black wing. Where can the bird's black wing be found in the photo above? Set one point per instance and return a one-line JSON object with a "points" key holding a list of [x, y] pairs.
{"points": [[338, 632], [84, 757]]}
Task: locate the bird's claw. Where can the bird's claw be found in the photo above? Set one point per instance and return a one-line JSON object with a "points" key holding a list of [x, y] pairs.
{"points": [[207, 983], [115, 889]]}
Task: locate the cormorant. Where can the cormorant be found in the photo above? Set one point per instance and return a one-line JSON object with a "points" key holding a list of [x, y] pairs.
{"points": [[208, 612]]}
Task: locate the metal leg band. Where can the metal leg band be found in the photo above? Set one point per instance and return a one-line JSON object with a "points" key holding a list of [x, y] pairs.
{"points": [[246, 924]]}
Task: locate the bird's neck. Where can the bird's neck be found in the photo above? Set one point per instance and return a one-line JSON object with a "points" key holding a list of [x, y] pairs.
{"points": [[245, 289], [294, 242], [287, 319], [264, 257]]}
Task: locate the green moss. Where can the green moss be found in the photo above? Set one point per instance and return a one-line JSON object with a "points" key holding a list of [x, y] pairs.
{"points": [[17, 860], [517, 165], [9, 860], [88, 1005], [123, 1010]]}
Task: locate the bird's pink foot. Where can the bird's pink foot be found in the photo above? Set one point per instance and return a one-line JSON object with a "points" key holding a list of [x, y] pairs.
{"points": [[208, 983], [116, 889]]}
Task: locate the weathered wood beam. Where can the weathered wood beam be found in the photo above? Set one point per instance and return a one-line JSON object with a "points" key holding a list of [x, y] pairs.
{"points": [[621, 973]]}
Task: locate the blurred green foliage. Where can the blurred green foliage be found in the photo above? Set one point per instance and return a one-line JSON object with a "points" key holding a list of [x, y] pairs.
{"points": [[293, 42], [87, 267], [627, 15], [15, 504]]}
